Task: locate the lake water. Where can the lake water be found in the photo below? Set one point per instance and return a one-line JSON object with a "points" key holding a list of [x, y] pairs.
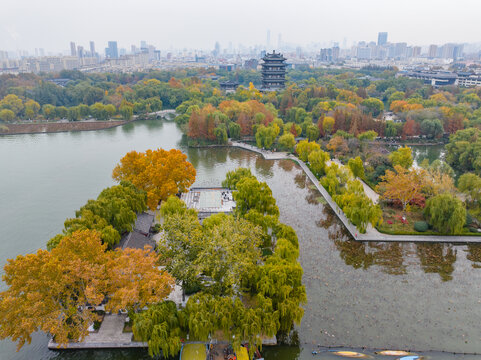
{"points": [[423, 297]]}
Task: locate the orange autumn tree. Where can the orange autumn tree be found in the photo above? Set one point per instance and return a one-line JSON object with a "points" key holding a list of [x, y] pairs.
{"points": [[48, 291], [401, 184], [159, 173], [151, 285], [202, 123]]}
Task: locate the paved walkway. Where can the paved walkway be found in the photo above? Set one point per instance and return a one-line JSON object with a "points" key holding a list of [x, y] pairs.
{"points": [[109, 336], [371, 234]]}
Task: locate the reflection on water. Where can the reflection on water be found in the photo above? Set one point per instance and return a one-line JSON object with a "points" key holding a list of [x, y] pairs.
{"points": [[389, 256], [264, 168], [474, 255], [372, 295], [437, 258], [355, 254]]}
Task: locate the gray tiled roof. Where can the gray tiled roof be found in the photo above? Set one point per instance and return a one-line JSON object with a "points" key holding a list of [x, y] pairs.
{"points": [[144, 222], [135, 240]]}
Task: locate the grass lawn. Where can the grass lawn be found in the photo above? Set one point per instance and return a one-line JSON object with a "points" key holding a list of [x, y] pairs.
{"points": [[392, 222]]}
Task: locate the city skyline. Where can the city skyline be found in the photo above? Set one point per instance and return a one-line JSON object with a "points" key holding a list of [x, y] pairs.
{"points": [[198, 25]]}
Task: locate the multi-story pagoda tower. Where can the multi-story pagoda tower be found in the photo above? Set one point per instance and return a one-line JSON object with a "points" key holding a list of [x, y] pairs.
{"points": [[273, 71]]}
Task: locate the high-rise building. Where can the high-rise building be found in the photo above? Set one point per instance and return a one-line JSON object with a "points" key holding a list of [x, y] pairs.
{"points": [[382, 38], [216, 49], [325, 55], [401, 50], [433, 51], [73, 49], [458, 51], [112, 52], [335, 53], [364, 53], [80, 51], [416, 51], [92, 49], [273, 71]]}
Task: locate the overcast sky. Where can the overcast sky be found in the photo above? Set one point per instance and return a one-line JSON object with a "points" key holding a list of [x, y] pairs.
{"points": [[52, 24]]}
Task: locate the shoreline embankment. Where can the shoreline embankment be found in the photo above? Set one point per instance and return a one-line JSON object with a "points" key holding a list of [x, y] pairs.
{"points": [[55, 127]]}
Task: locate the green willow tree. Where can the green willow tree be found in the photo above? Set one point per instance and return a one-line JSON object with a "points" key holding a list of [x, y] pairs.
{"points": [[252, 194], [446, 213], [287, 142], [266, 135], [162, 327], [233, 177], [207, 314], [357, 167], [402, 156], [318, 161]]}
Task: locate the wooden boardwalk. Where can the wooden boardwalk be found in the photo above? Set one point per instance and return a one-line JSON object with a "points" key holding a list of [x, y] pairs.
{"points": [[371, 234]]}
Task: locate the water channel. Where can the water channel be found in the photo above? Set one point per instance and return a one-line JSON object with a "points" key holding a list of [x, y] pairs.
{"points": [[423, 297]]}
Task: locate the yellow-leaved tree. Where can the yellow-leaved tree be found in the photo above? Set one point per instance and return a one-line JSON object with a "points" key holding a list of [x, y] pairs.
{"points": [[159, 172], [49, 291]]}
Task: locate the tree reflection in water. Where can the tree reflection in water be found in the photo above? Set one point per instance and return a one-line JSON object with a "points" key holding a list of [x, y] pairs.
{"points": [[264, 167], [437, 258], [301, 180], [286, 165], [434, 258], [389, 256], [474, 255], [354, 253]]}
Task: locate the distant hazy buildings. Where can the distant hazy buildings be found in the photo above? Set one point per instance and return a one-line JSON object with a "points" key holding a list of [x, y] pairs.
{"points": [[251, 64], [443, 78], [446, 51], [329, 55]]}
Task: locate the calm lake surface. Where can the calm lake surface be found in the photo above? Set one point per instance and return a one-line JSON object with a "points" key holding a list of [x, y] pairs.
{"points": [[423, 297]]}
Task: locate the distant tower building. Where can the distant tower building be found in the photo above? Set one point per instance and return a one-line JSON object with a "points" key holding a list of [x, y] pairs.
{"points": [[216, 49], [112, 51], [279, 40], [433, 51], [401, 50], [273, 71], [416, 51], [73, 49], [382, 38], [92, 49], [335, 53], [457, 53], [80, 51]]}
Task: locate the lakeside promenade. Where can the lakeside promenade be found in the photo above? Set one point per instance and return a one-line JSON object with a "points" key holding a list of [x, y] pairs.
{"points": [[371, 234]]}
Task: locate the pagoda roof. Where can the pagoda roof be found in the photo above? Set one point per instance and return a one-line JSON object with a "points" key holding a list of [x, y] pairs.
{"points": [[274, 56]]}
